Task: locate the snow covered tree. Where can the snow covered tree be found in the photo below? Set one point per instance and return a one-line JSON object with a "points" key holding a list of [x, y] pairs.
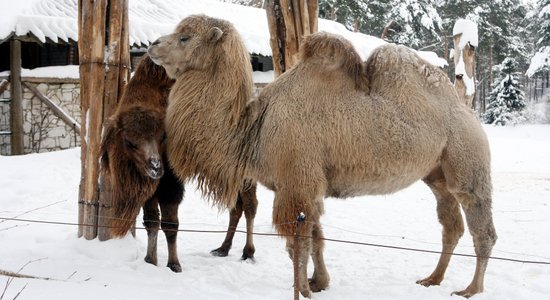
{"points": [[507, 100], [357, 15], [540, 62], [418, 23]]}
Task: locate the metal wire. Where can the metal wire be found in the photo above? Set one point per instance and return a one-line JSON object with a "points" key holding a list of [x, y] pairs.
{"points": [[301, 236]]}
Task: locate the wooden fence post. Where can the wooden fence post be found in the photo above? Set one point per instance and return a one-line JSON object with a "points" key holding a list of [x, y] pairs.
{"points": [[16, 104], [100, 78]]}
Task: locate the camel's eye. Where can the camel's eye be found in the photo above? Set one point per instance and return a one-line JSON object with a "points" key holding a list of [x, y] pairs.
{"points": [[131, 145], [184, 39]]}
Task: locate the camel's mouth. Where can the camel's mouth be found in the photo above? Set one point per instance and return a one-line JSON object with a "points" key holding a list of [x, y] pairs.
{"points": [[156, 59]]}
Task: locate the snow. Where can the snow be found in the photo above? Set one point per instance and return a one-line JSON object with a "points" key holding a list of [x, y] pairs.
{"points": [[468, 29], [540, 60], [263, 77], [70, 71], [149, 19], [115, 269]]}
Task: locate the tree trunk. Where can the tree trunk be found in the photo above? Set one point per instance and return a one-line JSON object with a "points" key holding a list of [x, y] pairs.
{"points": [[289, 21], [102, 80], [466, 55]]}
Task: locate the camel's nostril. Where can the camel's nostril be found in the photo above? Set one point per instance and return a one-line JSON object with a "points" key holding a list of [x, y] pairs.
{"points": [[155, 163], [156, 42]]}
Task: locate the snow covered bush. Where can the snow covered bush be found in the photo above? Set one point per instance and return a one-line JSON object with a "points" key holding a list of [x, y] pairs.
{"points": [[507, 100]]}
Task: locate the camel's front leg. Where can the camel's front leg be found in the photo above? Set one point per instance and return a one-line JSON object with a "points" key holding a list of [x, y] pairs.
{"points": [[234, 217], [250, 205], [299, 254], [320, 279], [151, 221]]}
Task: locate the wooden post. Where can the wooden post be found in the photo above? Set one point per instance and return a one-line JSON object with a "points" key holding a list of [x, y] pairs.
{"points": [[16, 104], [100, 77], [115, 81], [289, 21]]}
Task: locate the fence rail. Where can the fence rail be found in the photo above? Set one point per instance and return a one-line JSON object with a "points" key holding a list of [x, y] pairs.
{"points": [[410, 249]]}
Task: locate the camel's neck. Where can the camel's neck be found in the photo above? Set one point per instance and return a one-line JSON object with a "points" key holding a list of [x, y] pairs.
{"points": [[207, 126]]}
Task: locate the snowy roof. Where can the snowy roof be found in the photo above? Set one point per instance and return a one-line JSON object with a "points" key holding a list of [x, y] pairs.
{"points": [[468, 29], [56, 20], [540, 61]]}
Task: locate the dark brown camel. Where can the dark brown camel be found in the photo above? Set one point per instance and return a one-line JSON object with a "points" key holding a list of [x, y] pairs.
{"points": [[133, 161]]}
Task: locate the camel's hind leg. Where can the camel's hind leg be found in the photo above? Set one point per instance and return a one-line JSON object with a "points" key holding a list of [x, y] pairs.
{"points": [[466, 165], [448, 212], [480, 224], [170, 194], [151, 221]]}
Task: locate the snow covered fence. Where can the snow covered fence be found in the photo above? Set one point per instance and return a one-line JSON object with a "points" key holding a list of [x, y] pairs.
{"points": [[43, 130]]}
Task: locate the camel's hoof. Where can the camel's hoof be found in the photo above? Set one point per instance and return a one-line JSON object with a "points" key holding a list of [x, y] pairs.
{"points": [[465, 293], [247, 256], [428, 282], [317, 285], [220, 252], [150, 260], [175, 267], [306, 293]]}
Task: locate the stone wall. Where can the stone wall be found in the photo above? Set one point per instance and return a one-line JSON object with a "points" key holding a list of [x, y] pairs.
{"points": [[43, 130]]}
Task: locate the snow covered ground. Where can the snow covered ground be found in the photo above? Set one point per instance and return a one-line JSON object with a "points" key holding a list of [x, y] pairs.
{"points": [[115, 269]]}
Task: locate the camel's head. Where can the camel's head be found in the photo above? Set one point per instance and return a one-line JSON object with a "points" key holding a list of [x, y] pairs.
{"points": [[191, 46], [138, 135], [333, 52]]}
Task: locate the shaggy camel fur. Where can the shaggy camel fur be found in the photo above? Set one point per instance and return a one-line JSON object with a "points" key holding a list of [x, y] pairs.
{"points": [[243, 192], [330, 126], [132, 152]]}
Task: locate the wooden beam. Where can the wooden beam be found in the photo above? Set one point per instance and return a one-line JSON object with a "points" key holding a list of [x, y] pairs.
{"points": [[58, 111], [16, 105]]}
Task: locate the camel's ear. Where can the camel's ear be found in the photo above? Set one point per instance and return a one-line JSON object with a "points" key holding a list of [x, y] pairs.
{"points": [[106, 142], [214, 34]]}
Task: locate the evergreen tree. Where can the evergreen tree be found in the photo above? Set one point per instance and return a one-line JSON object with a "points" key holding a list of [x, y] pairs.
{"points": [[506, 102], [541, 61], [419, 23], [543, 32], [357, 15]]}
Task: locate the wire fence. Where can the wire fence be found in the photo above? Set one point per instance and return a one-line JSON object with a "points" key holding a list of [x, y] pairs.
{"points": [[342, 241]]}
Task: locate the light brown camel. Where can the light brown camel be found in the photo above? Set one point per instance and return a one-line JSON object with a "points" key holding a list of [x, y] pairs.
{"points": [[330, 126]]}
